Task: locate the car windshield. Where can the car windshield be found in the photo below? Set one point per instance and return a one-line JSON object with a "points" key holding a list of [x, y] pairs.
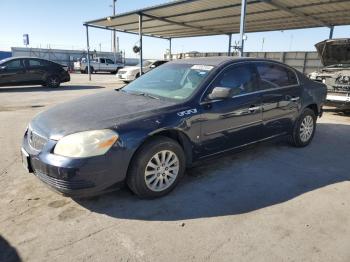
{"points": [[170, 81]]}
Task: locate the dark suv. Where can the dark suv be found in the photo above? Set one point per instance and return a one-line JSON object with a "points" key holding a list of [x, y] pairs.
{"points": [[32, 71]]}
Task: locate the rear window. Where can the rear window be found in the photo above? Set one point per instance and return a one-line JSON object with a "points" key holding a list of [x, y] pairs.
{"points": [[274, 75]]}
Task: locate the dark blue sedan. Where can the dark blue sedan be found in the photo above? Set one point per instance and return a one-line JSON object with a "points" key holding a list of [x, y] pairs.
{"points": [[182, 112]]}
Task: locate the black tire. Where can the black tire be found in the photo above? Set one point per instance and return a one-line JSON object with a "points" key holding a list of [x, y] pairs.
{"points": [[137, 75], [136, 178], [53, 81], [82, 72], [296, 137], [87, 70]]}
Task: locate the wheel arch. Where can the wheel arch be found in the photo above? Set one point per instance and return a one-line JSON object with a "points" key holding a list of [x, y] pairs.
{"points": [[314, 107], [177, 135]]}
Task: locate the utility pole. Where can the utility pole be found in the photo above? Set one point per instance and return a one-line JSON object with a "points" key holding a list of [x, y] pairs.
{"points": [[331, 30], [242, 27], [114, 48]]}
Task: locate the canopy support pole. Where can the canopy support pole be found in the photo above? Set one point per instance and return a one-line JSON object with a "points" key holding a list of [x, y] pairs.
{"points": [[140, 36], [331, 30], [88, 51], [242, 27], [170, 56], [229, 44]]}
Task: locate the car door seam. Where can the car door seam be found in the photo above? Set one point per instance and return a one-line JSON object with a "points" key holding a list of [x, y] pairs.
{"points": [[232, 128]]}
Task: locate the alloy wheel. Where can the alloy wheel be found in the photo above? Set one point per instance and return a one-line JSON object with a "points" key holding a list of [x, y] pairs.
{"points": [[161, 170], [306, 128]]}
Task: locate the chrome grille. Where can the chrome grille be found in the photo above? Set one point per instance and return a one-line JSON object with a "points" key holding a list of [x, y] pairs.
{"points": [[36, 141]]}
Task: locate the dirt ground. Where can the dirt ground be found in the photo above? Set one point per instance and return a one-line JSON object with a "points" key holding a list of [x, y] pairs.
{"points": [[271, 202]]}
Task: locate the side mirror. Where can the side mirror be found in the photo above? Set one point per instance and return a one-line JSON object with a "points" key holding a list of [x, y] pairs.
{"points": [[220, 93]]}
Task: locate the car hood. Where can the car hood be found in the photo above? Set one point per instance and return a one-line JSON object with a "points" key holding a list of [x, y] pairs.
{"points": [[98, 111], [131, 68], [334, 51]]}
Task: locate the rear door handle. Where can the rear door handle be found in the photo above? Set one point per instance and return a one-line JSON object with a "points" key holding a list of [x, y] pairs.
{"points": [[294, 99]]}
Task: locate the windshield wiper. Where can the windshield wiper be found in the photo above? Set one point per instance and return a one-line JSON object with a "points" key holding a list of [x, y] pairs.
{"points": [[144, 94]]}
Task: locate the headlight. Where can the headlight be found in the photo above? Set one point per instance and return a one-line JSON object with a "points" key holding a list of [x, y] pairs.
{"points": [[86, 144]]}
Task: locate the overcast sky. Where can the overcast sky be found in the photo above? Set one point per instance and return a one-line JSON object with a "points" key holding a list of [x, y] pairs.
{"points": [[60, 25]]}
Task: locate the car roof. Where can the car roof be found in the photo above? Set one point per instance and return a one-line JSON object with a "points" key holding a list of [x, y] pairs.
{"points": [[218, 60], [24, 57]]}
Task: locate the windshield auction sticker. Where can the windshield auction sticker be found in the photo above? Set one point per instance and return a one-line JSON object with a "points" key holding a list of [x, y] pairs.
{"points": [[202, 67]]}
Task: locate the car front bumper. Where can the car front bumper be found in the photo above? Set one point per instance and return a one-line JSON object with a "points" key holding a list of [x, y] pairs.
{"points": [[65, 77], [341, 100], [126, 77], [76, 177]]}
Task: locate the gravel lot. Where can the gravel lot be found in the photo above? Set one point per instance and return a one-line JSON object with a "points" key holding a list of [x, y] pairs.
{"points": [[271, 202]]}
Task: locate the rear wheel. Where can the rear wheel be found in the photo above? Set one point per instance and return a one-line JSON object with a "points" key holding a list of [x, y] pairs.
{"points": [[156, 168], [304, 129], [53, 81], [87, 70]]}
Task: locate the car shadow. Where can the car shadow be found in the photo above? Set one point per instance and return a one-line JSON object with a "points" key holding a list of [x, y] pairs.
{"points": [[337, 112], [7, 252], [21, 89], [262, 176]]}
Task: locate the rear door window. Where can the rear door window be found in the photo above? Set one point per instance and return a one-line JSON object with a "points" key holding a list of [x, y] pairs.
{"points": [[35, 63], [273, 75], [109, 61]]}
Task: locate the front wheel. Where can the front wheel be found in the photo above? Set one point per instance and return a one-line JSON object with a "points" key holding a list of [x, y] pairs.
{"points": [[304, 129], [156, 168]]}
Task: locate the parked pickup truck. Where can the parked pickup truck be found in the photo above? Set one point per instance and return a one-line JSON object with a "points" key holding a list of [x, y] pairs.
{"points": [[99, 64]]}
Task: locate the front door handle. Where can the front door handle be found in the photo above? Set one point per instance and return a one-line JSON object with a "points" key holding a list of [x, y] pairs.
{"points": [[252, 109], [295, 99]]}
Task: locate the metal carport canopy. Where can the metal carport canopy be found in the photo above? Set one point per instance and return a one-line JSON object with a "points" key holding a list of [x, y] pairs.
{"points": [[188, 18]]}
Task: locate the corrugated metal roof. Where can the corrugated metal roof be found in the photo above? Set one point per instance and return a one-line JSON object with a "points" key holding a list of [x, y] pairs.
{"points": [[186, 18]]}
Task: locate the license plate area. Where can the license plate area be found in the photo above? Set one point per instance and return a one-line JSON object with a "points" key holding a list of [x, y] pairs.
{"points": [[26, 161]]}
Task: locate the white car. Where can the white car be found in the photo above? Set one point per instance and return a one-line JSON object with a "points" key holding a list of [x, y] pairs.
{"points": [[130, 73]]}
